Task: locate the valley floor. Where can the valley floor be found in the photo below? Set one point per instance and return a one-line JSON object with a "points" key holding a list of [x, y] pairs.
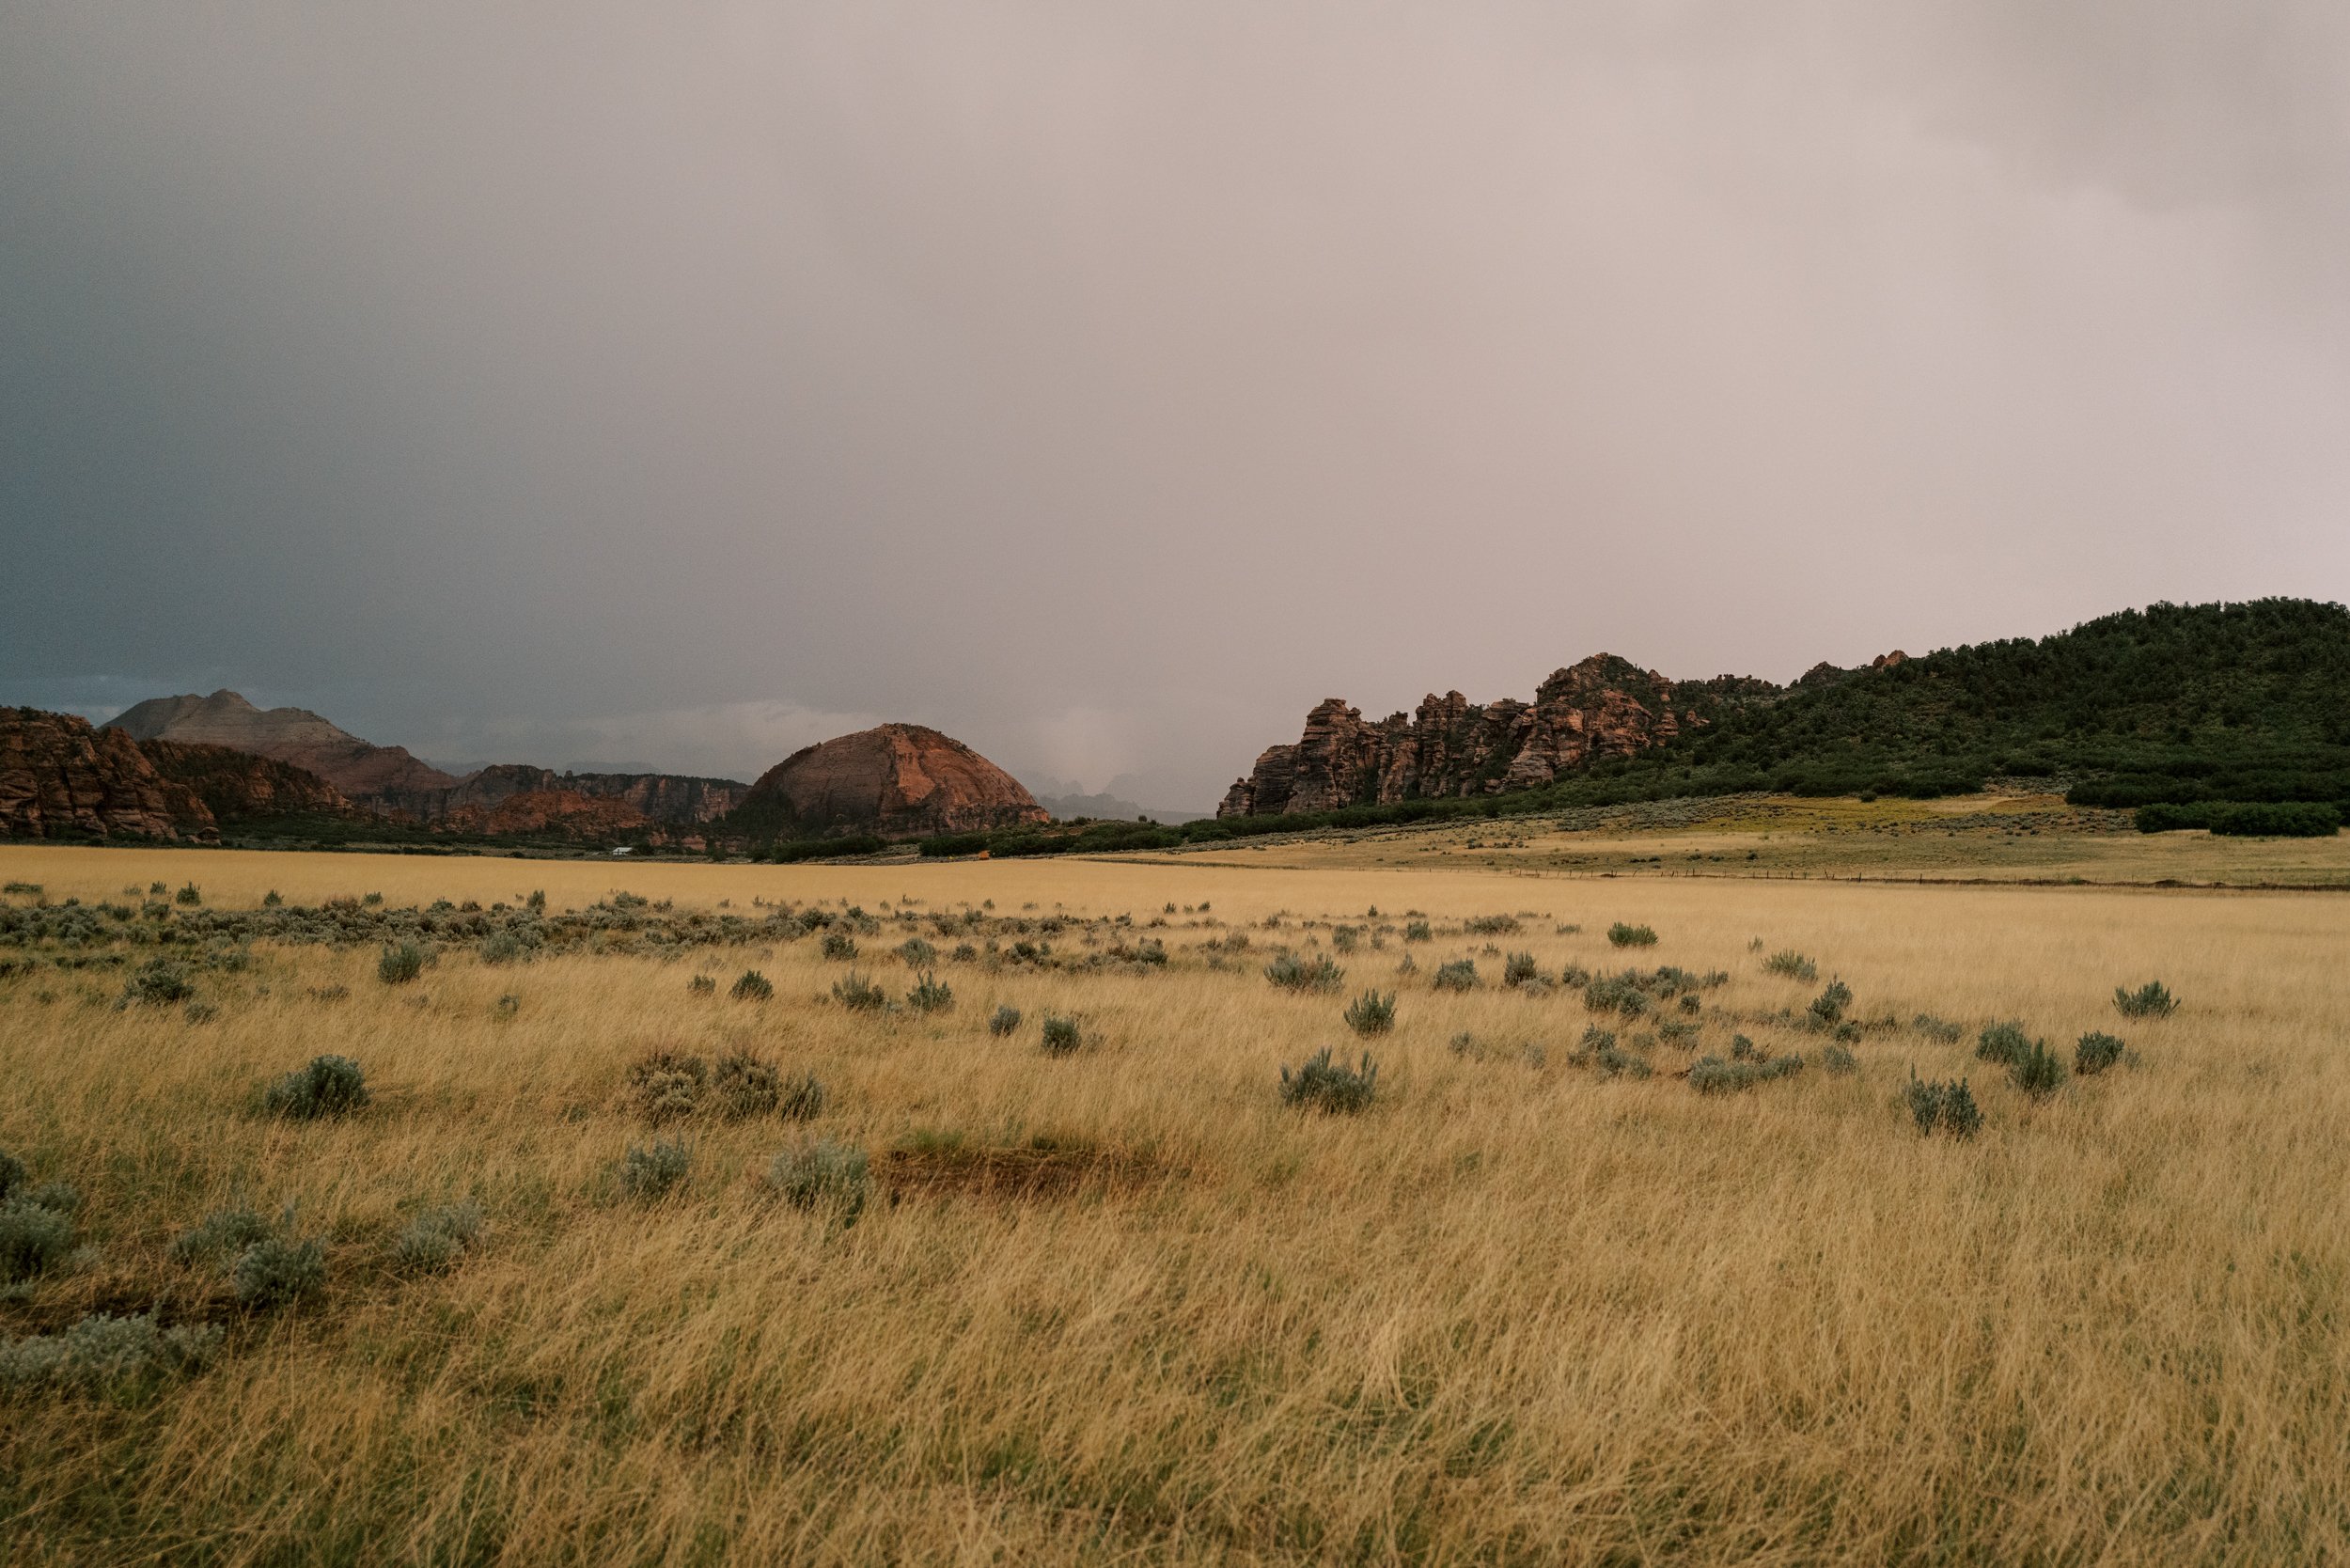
{"points": [[1997, 838], [1541, 1301]]}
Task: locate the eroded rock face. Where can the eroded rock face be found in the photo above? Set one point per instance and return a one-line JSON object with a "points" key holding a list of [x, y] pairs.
{"points": [[385, 777], [61, 777], [233, 784], [899, 781], [1603, 707], [388, 780]]}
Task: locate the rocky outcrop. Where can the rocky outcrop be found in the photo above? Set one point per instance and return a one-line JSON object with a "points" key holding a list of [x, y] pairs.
{"points": [[1603, 707], [897, 781], [238, 784], [60, 778], [382, 778], [388, 780], [539, 812], [512, 797]]}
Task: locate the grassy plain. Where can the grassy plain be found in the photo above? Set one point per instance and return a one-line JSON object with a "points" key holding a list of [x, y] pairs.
{"points": [[1993, 837], [1517, 1311]]}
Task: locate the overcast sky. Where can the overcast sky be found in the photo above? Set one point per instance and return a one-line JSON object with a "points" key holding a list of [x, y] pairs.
{"points": [[1104, 383]]}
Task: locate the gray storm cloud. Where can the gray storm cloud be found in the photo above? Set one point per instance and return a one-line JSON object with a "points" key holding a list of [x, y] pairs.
{"points": [[1107, 383]]}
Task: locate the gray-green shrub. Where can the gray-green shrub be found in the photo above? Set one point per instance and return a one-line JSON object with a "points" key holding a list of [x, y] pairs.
{"points": [[666, 1084], [1838, 1060], [1622, 994], [931, 995], [751, 986], [2151, 1000], [1713, 1075], [158, 982], [1290, 972], [653, 1172], [400, 962], [1791, 964], [277, 1271], [1827, 1008], [800, 1097], [1004, 1021], [34, 1238], [1061, 1037], [1331, 1087], [329, 1085], [105, 1355], [2094, 1051], [1518, 968], [1940, 1105], [2038, 1072], [503, 946], [224, 1232], [1459, 975], [1622, 935], [859, 994], [840, 945], [823, 1175], [1371, 1013], [2002, 1042], [433, 1239], [743, 1084]]}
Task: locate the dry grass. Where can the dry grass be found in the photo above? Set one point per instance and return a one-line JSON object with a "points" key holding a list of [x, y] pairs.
{"points": [[1122, 1305]]}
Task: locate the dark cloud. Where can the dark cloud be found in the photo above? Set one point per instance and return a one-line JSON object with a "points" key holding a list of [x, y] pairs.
{"points": [[1107, 383]]}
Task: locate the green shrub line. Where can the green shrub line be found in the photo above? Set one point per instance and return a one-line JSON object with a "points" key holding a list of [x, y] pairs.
{"points": [[2243, 819]]}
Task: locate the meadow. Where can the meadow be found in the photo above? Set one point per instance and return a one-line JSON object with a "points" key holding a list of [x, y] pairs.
{"points": [[1542, 1299]]}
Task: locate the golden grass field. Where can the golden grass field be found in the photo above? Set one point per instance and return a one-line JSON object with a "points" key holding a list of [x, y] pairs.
{"points": [[1512, 1314]]}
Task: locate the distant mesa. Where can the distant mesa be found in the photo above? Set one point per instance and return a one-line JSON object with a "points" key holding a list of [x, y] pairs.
{"points": [[388, 782], [382, 776], [894, 781]]}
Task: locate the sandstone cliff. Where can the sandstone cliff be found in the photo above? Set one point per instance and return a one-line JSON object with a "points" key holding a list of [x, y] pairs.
{"points": [[234, 784], [897, 781], [388, 780], [60, 777], [1603, 707], [383, 778], [636, 798]]}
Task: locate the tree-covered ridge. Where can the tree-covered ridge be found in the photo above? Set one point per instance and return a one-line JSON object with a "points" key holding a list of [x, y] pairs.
{"points": [[2172, 703], [2247, 702]]}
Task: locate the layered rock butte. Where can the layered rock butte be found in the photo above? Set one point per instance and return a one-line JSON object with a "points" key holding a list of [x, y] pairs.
{"points": [[384, 777], [1603, 707], [894, 781], [388, 780]]}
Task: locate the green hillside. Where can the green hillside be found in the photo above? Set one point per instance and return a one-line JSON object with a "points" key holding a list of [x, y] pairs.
{"points": [[2173, 705]]}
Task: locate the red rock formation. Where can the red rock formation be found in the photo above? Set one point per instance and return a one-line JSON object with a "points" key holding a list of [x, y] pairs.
{"points": [[233, 784], [59, 777], [667, 797], [388, 780], [565, 811], [898, 781], [383, 778], [647, 796], [1601, 708]]}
